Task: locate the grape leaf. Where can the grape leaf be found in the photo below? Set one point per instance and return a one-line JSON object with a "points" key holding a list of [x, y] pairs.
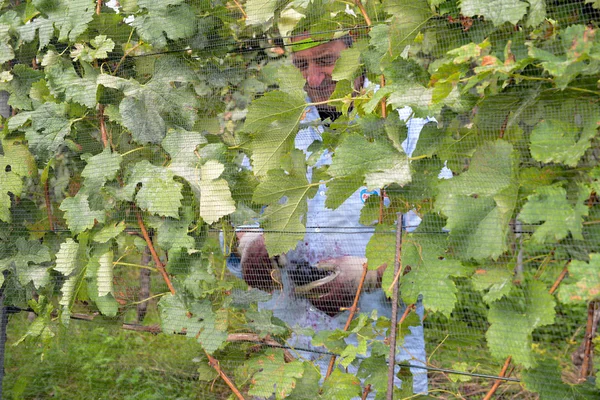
{"points": [[158, 24], [101, 46], [514, 318], [20, 85], [101, 168], [99, 274], [197, 320], [78, 214], [49, 126], [430, 272], [160, 193], [583, 283], [549, 205], [63, 80], [497, 282], [348, 65], [108, 232], [373, 371], [341, 386], [6, 51], [66, 258], [382, 163], [10, 182], [545, 379], [562, 142], [30, 254], [212, 192], [70, 17], [409, 17], [270, 373], [497, 11], [286, 195], [259, 11], [480, 202], [537, 12], [173, 234], [273, 120]]}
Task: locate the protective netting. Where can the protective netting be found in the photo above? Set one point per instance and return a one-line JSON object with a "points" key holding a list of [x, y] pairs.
{"points": [[233, 199]]}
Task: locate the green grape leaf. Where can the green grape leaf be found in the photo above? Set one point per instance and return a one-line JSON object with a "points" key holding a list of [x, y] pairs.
{"points": [[286, 195], [102, 45], [381, 248], [549, 204], [10, 182], [479, 203], [66, 258], [173, 234], [160, 24], [212, 191], [307, 385], [351, 351], [273, 120], [373, 371], [79, 215], [430, 272], [339, 189], [19, 86], [6, 51], [348, 66], [513, 320], [30, 254], [562, 142], [497, 11], [497, 282], [537, 12], [63, 80], [341, 386], [101, 168], [546, 380], [409, 17], [272, 374], [49, 126], [259, 11], [583, 283], [160, 194], [197, 320], [595, 4], [261, 322], [109, 231], [105, 274], [99, 274], [379, 162]]}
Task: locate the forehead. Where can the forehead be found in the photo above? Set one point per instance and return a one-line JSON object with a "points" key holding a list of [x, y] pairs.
{"points": [[333, 47]]}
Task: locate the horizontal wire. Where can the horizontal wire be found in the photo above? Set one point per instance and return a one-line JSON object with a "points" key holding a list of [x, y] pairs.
{"points": [[14, 310]]}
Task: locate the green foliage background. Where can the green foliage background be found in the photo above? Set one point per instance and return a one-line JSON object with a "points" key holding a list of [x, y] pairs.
{"points": [[150, 119]]}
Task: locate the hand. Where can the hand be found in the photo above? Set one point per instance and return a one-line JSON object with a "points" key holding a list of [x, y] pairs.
{"points": [[337, 289], [258, 269]]}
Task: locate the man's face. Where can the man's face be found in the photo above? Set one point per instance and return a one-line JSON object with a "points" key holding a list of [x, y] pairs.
{"points": [[316, 65]]}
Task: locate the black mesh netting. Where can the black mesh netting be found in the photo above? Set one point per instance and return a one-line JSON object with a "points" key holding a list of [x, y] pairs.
{"points": [[235, 199]]}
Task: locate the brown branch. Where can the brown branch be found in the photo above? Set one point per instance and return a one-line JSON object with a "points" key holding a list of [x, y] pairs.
{"points": [[98, 6], [496, 384], [558, 280], [503, 127], [366, 392], [350, 316], [383, 100], [138, 44], [363, 11], [381, 205], [159, 265], [392, 338], [213, 362], [588, 344], [48, 205], [103, 132], [241, 9]]}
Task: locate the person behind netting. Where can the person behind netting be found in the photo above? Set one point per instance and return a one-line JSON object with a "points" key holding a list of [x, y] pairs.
{"points": [[305, 292]]}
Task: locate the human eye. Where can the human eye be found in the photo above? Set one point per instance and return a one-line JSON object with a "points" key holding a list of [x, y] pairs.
{"points": [[300, 63], [326, 61]]}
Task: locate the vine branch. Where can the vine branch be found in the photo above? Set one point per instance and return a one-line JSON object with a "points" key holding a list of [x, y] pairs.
{"points": [[496, 384], [392, 339], [351, 315]]}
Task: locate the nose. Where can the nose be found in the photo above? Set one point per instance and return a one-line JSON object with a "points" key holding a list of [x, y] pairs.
{"points": [[314, 75]]}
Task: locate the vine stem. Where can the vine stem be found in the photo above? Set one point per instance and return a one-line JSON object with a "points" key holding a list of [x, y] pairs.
{"points": [[213, 362], [351, 315], [241, 8], [363, 11], [392, 339], [507, 361], [588, 344], [366, 392], [103, 132], [98, 7], [159, 265], [48, 205], [496, 384]]}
